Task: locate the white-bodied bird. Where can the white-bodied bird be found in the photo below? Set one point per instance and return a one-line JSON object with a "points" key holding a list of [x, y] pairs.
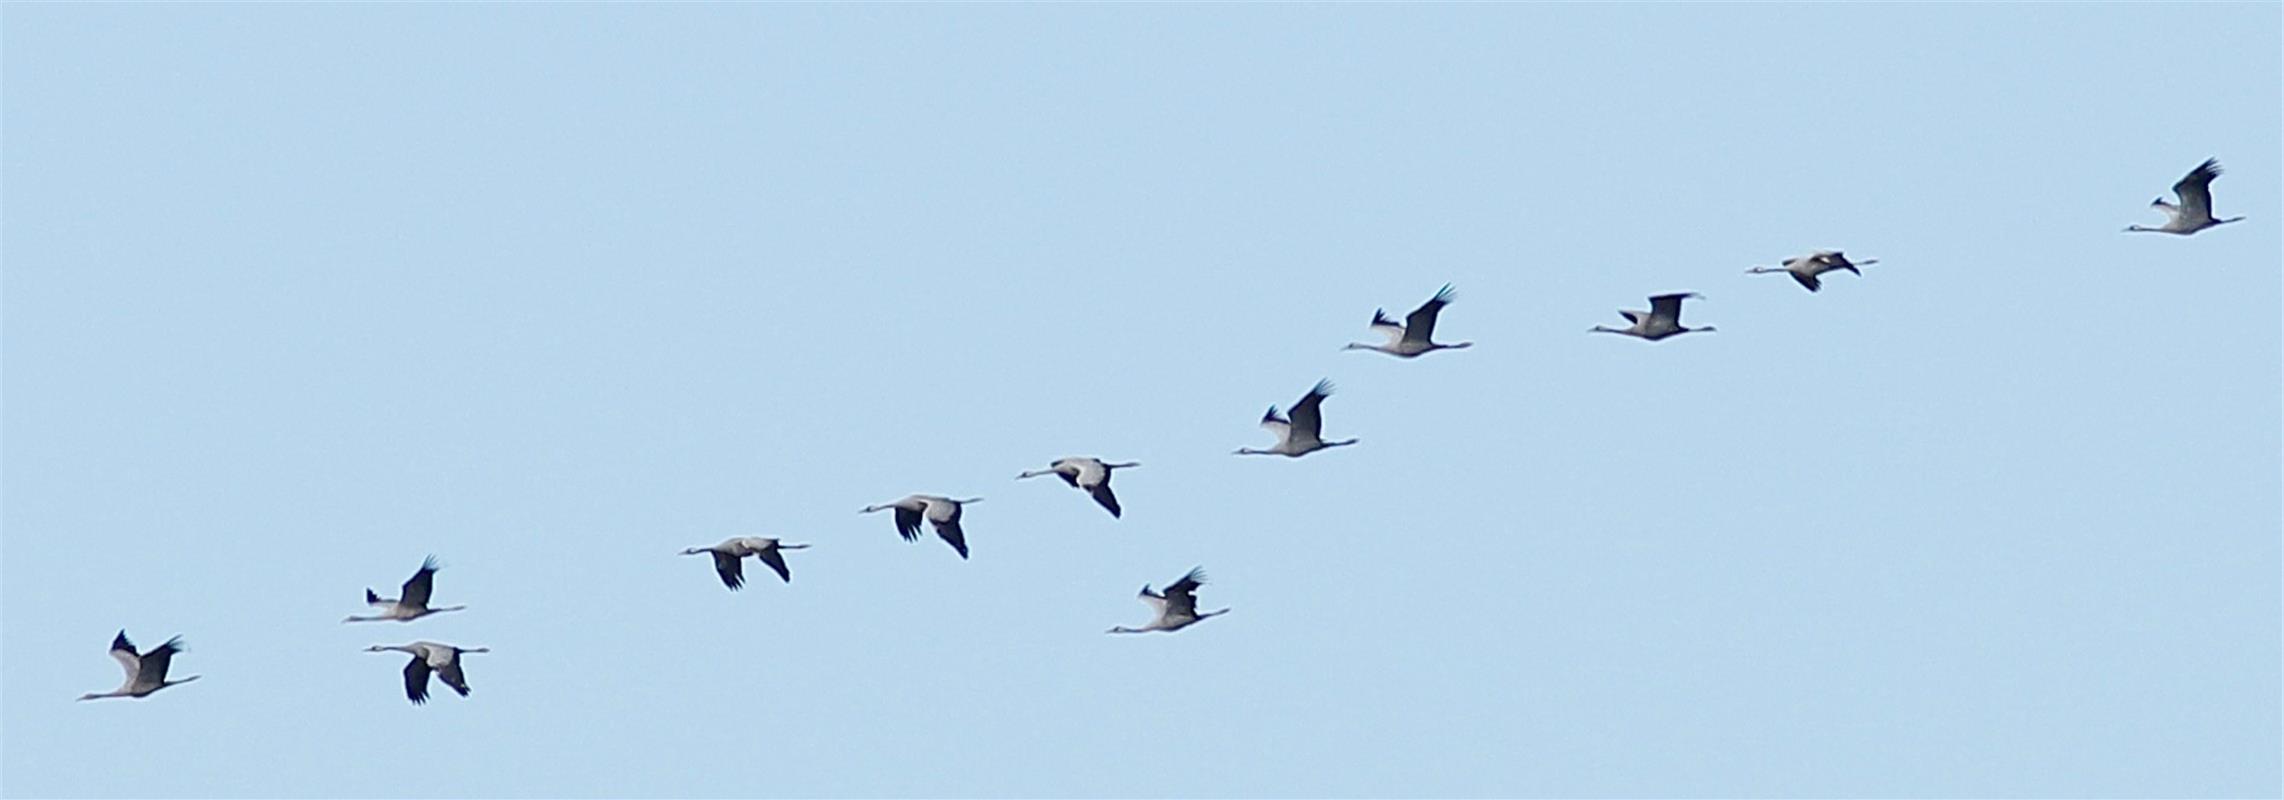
{"points": [[1302, 434], [1177, 607], [2195, 213], [146, 673], [1662, 320], [1805, 268], [729, 557], [941, 512], [430, 657], [412, 604], [1415, 335], [1087, 474]]}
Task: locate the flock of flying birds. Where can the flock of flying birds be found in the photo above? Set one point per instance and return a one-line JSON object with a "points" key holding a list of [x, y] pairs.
{"points": [[1299, 432]]}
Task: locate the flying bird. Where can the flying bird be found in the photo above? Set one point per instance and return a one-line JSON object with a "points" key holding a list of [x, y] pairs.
{"points": [[1662, 320], [942, 512], [1415, 335], [729, 557], [428, 657], [1087, 474], [412, 604], [146, 673], [1805, 268], [1177, 608], [2195, 213], [1300, 435]]}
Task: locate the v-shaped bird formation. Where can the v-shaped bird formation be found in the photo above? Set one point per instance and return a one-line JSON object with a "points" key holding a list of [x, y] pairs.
{"points": [[1299, 431]]}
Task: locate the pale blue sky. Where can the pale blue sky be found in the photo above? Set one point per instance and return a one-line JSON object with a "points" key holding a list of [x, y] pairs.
{"points": [[296, 294]]}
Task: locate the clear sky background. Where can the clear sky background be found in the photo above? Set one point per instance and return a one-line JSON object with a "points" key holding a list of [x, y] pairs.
{"points": [[297, 294]]}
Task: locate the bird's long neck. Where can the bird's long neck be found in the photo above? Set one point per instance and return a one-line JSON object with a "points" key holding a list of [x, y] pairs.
{"points": [[1128, 465], [101, 695], [176, 681], [1760, 270], [1034, 473], [1455, 346], [447, 608], [1606, 329], [783, 546], [1342, 443], [1247, 451], [353, 618], [2217, 222], [1124, 629], [1363, 346]]}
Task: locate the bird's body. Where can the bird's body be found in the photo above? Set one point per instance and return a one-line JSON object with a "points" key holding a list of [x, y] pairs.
{"points": [[1415, 335], [430, 657], [1177, 607], [1302, 434], [729, 557], [2195, 213], [941, 512], [1661, 321], [1805, 268], [412, 604], [1087, 474], [146, 672]]}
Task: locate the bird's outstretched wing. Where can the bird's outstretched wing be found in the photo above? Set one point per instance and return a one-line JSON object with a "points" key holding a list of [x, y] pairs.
{"points": [[1308, 418], [453, 677], [2196, 190], [949, 531], [908, 523], [1385, 326], [123, 651], [776, 560], [418, 587], [416, 680], [1181, 595], [1276, 423], [1420, 325], [1669, 305], [1102, 495], [731, 567]]}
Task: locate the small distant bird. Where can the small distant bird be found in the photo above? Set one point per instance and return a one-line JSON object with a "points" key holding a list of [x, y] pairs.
{"points": [[413, 604], [1177, 608], [1415, 335], [942, 512], [1300, 435], [2195, 213], [729, 557], [1662, 320], [1088, 474], [146, 673], [1805, 268], [427, 657]]}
